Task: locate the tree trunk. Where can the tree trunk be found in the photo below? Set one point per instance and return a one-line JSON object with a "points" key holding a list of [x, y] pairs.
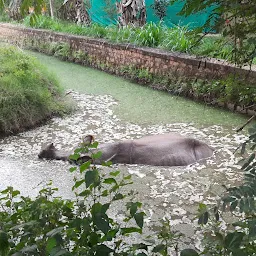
{"points": [[131, 12], [14, 9], [75, 10], [51, 8]]}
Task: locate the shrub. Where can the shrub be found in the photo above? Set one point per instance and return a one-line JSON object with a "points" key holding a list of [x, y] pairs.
{"points": [[28, 92], [178, 38], [238, 236]]}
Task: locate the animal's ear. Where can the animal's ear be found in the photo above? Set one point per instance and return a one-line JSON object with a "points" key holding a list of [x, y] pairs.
{"points": [[51, 146], [88, 139]]}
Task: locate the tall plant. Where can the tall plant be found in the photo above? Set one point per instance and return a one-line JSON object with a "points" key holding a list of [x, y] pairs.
{"points": [[18, 9], [131, 12], [235, 19], [239, 236], [160, 8]]}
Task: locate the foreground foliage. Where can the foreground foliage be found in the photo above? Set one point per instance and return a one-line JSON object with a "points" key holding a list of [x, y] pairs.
{"points": [[88, 225], [28, 92], [239, 236], [236, 20]]}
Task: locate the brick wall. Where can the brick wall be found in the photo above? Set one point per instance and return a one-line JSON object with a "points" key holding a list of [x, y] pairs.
{"points": [[156, 61]]}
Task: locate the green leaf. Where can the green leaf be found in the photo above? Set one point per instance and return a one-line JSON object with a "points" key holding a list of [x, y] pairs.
{"points": [[102, 223], [111, 234], [252, 228], [78, 183], [97, 155], [126, 231], [57, 251], [74, 157], [159, 248], [92, 177], [78, 150], [72, 169], [94, 238], [114, 173], [128, 177], [100, 219], [105, 193], [55, 231], [133, 207], [233, 240], [85, 166], [189, 252], [28, 249], [51, 243], [85, 193], [118, 196], [110, 181], [103, 250], [202, 207], [15, 193], [107, 164], [105, 207], [7, 190], [4, 244], [139, 218], [219, 237], [94, 145]]}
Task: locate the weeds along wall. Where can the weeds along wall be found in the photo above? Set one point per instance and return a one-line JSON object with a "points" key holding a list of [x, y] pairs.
{"points": [[207, 80]]}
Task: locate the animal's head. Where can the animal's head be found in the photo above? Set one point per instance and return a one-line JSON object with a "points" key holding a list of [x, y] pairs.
{"points": [[48, 152]]}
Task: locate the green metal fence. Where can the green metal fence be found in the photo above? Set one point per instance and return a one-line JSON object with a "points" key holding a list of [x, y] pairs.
{"points": [[99, 13]]}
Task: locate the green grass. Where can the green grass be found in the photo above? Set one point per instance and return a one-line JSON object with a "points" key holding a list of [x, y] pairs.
{"points": [[177, 38], [150, 35], [28, 92], [213, 46]]}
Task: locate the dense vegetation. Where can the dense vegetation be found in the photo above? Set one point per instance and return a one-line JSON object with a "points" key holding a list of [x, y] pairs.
{"points": [[177, 38], [28, 92], [235, 20]]}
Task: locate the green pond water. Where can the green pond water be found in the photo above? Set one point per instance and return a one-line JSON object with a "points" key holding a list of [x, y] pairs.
{"points": [[138, 104], [172, 192]]}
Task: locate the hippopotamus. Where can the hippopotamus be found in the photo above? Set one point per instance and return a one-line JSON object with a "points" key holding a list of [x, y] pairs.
{"points": [[158, 150]]}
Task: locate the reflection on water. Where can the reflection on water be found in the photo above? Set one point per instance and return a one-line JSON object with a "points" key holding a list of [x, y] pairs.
{"points": [[165, 191]]}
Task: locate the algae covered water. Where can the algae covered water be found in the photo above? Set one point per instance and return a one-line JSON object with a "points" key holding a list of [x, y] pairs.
{"points": [[139, 104], [113, 109]]}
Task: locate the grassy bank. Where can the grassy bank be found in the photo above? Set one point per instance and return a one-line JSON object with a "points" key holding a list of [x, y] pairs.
{"points": [[29, 94], [177, 38]]}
